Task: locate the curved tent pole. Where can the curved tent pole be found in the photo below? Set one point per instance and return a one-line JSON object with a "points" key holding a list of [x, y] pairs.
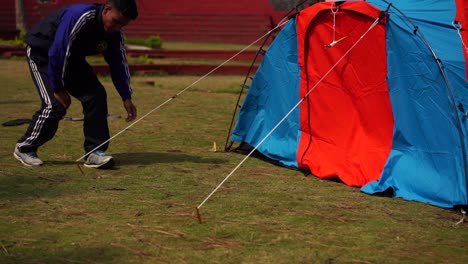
{"points": [[228, 145], [292, 13], [447, 84]]}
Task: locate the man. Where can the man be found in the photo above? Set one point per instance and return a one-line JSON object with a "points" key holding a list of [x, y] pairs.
{"points": [[56, 51]]}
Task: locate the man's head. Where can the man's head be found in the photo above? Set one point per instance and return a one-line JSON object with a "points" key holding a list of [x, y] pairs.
{"points": [[118, 13]]}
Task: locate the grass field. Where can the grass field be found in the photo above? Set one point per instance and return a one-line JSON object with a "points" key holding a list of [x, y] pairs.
{"points": [[143, 210], [179, 45]]}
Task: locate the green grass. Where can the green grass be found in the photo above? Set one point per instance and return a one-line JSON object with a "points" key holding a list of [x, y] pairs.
{"points": [[180, 45], [95, 60], [143, 211]]}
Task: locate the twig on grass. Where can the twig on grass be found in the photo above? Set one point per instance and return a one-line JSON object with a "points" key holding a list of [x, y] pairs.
{"points": [[72, 261], [136, 252], [170, 234], [115, 189], [4, 248], [49, 179]]}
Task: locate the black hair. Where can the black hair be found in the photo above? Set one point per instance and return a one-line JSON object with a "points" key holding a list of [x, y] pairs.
{"points": [[128, 8]]}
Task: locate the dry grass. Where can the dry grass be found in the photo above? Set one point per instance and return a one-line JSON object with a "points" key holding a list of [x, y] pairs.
{"points": [[143, 211]]}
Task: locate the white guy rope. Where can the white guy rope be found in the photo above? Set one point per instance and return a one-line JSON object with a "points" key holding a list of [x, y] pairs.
{"points": [[185, 89], [458, 27], [288, 114], [334, 18], [463, 212]]}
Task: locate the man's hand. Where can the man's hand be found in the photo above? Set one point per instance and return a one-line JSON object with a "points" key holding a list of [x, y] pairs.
{"points": [[63, 98], [131, 110]]}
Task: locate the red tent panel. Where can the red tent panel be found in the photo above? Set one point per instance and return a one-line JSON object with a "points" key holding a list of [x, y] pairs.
{"points": [[346, 121]]}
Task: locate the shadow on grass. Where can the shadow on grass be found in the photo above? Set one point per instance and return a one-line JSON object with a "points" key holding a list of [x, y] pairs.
{"points": [[60, 162], [26, 186], [16, 102], [145, 158], [148, 158], [93, 254], [50, 179]]}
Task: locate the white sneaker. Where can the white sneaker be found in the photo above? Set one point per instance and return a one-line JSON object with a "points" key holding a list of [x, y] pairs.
{"points": [[28, 159], [99, 160]]}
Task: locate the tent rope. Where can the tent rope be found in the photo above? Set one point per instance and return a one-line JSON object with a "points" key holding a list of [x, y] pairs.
{"points": [[292, 13], [287, 114], [334, 11], [183, 90], [458, 27], [260, 52], [463, 212], [447, 86]]}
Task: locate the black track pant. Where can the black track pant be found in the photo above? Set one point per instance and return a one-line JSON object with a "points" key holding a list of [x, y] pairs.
{"points": [[82, 84]]}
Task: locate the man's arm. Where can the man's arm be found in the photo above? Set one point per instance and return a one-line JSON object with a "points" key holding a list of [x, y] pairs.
{"points": [[131, 110], [116, 57]]}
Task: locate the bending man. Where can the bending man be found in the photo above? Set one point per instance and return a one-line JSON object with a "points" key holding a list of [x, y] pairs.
{"points": [[56, 52]]}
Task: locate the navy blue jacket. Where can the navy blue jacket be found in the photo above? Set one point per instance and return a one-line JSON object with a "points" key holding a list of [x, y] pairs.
{"points": [[73, 32]]}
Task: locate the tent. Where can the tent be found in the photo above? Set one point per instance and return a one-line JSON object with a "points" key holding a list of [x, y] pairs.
{"points": [[371, 92]]}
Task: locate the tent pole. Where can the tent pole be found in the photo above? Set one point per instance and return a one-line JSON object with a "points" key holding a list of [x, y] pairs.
{"points": [[449, 90], [292, 13]]}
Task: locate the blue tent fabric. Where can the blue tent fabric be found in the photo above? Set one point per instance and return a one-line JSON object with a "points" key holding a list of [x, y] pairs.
{"points": [[428, 158], [426, 163], [274, 91]]}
